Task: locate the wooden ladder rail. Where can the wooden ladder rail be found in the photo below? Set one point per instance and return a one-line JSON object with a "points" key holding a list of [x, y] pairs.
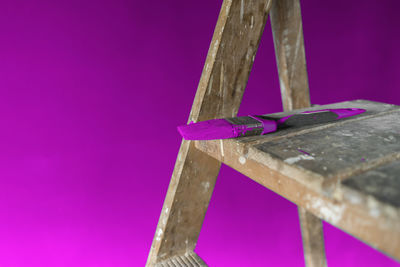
{"points": [[287, 30], [229, 61]]}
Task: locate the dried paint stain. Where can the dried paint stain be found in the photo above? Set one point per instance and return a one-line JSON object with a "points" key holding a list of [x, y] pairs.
{"points": [[222, 148], [159, 234], [206, 186], [298, 158], [242, 160], [330, 212]]}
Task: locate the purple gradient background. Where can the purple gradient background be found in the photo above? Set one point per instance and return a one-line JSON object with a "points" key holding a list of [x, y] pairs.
{"points": [[91, 94]]}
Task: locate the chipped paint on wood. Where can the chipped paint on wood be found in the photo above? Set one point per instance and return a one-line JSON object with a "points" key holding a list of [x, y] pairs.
{"points": [[222, 148], [298, 158], [210, 85], [206, 186], [327, 210], [159, 234]]}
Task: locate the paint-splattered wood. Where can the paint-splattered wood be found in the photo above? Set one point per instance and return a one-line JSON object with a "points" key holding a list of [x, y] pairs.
{"points": [[383, 183], [313, 239], [224, 77], [287, 30], [230, 58], [275, 161], [372, 108], [341, 151]]}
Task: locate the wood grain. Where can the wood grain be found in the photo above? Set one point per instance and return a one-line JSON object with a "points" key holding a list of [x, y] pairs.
{"points": [[229, 60], [287, 30], [383, 183], [311, 229], [340, 150]]}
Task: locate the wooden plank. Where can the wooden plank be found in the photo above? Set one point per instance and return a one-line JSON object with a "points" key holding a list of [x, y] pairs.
{"points": [[372, 108], [313, 240], [350, 210], [287, 30], [224, 77], [383, 183], [341, 151]]}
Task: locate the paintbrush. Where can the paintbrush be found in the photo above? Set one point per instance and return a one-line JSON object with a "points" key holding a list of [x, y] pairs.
{"points": [[260, 124]]}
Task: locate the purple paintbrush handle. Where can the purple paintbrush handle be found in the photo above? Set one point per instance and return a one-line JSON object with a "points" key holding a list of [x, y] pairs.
{"points": [[224, 129], [258, 124]]}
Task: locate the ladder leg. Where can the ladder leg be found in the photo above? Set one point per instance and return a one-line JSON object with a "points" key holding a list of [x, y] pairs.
{"points": [[313, 239], [224, 77], [287, 31]]}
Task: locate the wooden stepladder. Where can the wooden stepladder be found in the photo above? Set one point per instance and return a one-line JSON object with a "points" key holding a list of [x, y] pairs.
{"points": [[341, 200], [229, 61]]}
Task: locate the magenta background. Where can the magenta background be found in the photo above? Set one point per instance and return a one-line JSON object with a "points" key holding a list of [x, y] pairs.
{"points": [[91, 93]]}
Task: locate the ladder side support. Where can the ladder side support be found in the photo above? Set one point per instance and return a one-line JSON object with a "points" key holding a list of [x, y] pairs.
{"points": [[287, 29], [222, 83]]}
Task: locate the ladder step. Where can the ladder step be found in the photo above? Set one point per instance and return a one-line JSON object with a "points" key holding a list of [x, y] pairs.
{"points": [[189, 259]]}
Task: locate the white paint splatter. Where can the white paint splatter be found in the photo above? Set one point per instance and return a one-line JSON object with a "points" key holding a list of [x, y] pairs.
{"points": [[330, 212], [159, 234], [179, 216], [285, 32], [389, 139], [298, 158], [215, 48], [285, 93], [242, 160], [222, 148], [347, 134], [210, 85], [252, 22], [166, 210], [373, 207], [353, 198], [206, 186]]}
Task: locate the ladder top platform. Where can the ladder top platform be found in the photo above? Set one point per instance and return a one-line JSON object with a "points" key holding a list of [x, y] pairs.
{"points": [[346, 172]]}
